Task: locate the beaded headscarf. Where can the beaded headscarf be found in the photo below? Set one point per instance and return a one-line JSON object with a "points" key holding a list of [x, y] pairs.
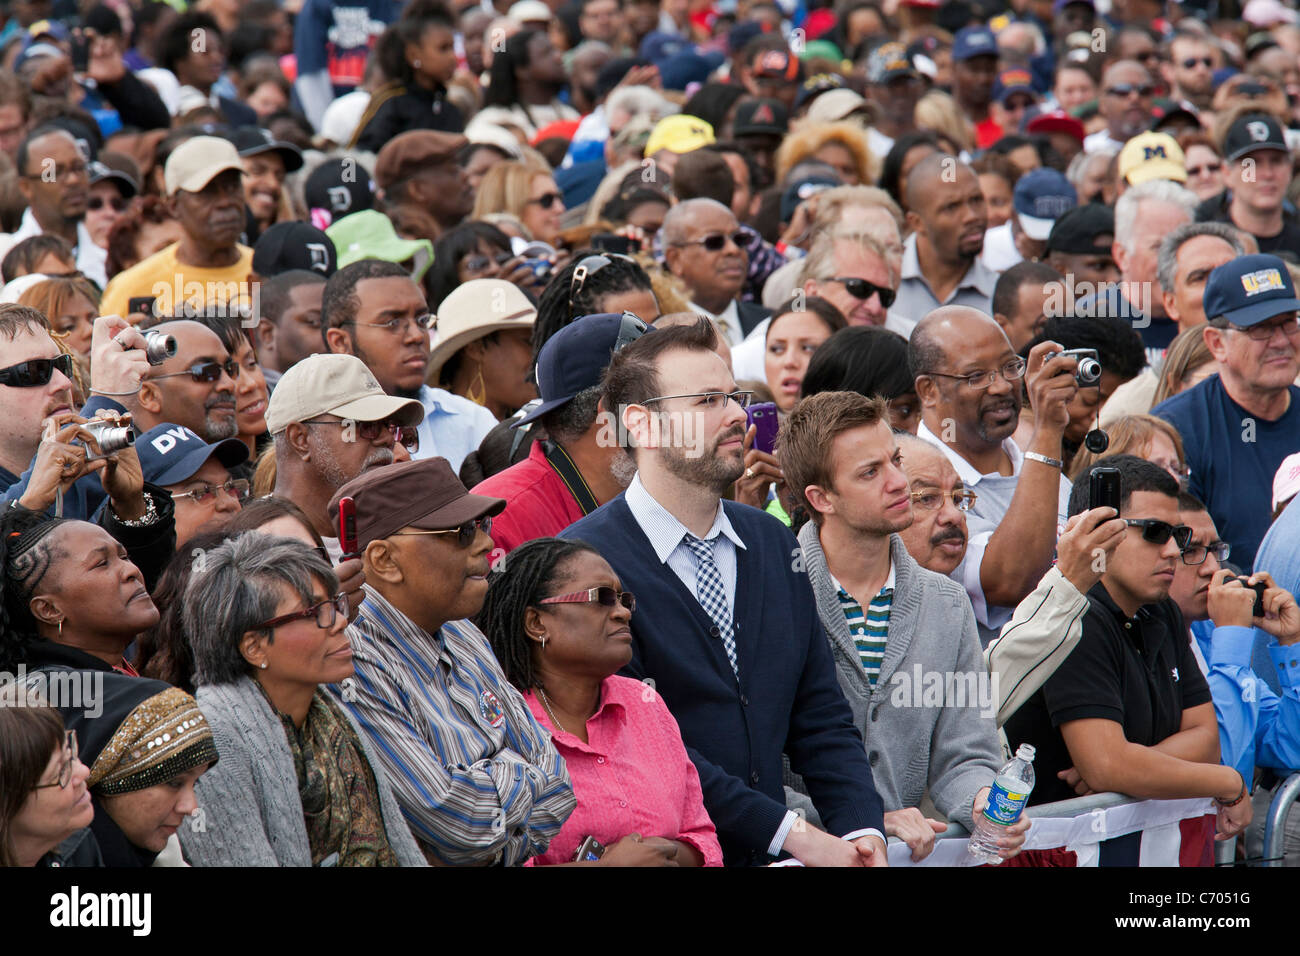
{"points": [[164, 736]]}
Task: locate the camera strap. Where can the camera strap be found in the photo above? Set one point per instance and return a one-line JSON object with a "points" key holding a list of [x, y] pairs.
{"points": [[563, 466]]}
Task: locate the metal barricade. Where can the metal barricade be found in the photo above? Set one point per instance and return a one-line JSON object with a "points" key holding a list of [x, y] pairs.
{"points": [[1275, 826]]}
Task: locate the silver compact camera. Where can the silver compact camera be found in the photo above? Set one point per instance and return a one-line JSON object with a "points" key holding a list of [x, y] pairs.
{"points": [[1088, 372], [111, 437], [158, 346]]}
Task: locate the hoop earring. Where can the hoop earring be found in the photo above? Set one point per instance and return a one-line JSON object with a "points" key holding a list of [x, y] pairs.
{"points": [[481, 397]]}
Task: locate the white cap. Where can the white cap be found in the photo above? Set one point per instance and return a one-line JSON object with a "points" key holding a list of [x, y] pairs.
{"points": [[530, 11], [487, 134], [1267, 13], [341, 118], [1286, 483]]}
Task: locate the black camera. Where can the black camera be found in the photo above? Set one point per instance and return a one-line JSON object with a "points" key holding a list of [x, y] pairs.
{"points": [[1259, 589], [1088, 371]]}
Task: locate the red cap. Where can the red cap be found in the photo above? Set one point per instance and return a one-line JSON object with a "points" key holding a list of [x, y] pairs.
{"points": [[560, 129], [1056, 121]]}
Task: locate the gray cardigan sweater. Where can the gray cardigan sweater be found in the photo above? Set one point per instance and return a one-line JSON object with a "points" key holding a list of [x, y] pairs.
{"points": [[913, 744], [251, 811]]}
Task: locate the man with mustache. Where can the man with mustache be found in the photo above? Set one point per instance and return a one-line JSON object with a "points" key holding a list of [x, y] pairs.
{"points": [[374, 310], [936, 538], [331, 422], [208, 266], [1125, 101], [887, 618], [194, 388], [968, 380], [731, 640], [479, 782], [1129, 710]]}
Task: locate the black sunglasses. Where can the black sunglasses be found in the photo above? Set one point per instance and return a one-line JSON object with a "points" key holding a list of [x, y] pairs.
{"points": [[209, 371], [549, 200], [587, 267], [862, 289], [465, 534], [1128, 89], [1159, 532], [96, 203], [717, 241], [35, 372]]}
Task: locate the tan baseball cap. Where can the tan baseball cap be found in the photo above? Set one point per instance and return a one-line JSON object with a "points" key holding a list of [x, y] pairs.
{"points": [[474, 309], [335, 384], [197, 161]]}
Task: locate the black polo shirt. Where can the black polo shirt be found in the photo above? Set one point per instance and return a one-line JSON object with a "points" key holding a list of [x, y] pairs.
{"points": [[1139, 672], [1215, 209]]}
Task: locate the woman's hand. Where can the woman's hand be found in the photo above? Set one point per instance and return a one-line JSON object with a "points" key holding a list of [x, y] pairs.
{"points": [[761, 469], [59, 463], [632, 850]]}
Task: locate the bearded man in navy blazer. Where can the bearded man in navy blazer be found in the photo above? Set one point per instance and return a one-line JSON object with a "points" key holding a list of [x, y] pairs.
{"points": [[726, 627]]}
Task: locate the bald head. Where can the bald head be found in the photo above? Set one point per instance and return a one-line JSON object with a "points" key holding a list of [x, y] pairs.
{"points": [[955, 325], [947, 211], [686, 216], [169, 394]]}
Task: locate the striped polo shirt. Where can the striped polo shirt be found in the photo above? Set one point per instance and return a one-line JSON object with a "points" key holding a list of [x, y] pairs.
{"points": [[869, 626]]}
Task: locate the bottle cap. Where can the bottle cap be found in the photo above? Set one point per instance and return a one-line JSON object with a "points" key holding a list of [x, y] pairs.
{"points": [[1026, 752]]}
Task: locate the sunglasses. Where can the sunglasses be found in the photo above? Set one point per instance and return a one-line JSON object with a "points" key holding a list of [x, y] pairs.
{"points": [[1207, 168], [35, 372], [481, 263], [716, 242], [408, 436], [1193, 61], [465, 534], [587, 267], [1128, 89], [1156, 531], [209, 371], [862, 289], [96, 203], [604, 596], [547, 201]]}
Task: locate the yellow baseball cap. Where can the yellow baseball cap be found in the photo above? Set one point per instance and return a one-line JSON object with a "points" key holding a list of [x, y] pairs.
{"points": [[1149, 156], [679, 134]]}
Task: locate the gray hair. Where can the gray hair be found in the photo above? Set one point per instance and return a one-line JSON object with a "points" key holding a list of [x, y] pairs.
{"points": [[640, 101], [234, 588], [1156, 191], [1077, 171], [1167, 262], [820, 261]]}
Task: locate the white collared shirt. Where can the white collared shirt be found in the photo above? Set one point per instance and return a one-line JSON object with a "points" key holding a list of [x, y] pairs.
{"points": [[91, 259], [728, 320]]}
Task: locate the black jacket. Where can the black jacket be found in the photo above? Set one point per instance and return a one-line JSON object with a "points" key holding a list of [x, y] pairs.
{"points": [[397, 109], [80, 849]]}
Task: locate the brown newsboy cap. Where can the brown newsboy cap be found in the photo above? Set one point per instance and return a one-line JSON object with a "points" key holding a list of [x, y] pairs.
{"points": [[405, 155], [423, 494]]}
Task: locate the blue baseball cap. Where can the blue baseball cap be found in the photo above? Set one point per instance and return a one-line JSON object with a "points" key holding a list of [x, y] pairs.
{"points": [[972, 42], [170, 454], [574, 359], [659, 46], [1041, 197], [803, 188], [1249, 290]]}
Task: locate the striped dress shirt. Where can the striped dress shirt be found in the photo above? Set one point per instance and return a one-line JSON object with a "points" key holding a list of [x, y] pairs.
{"points": [[478, 780]]}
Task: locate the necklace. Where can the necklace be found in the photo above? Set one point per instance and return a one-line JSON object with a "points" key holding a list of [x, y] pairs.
{"points": [[546, 703]]}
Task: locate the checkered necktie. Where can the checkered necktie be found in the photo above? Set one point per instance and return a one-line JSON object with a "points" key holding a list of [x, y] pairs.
{"points": [[712, 595]]}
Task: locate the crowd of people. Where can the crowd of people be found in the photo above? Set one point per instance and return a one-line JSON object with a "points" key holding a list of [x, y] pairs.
{"points": [[579, 432]]}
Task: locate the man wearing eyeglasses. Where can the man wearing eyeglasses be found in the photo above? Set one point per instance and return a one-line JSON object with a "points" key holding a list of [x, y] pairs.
{"points": [[196, 474], [1129, 710], [1126, 98], [936, 538], [727, 627], [55, 180], [705, 248], [888, 619], [374, 310], [1239, 425], [479, 782]]}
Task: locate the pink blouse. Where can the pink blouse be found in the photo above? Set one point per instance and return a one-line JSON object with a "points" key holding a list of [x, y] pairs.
{"points": [[633, 776]]}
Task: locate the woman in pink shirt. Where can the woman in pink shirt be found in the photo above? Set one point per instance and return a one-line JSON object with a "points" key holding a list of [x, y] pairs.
{"points": [[558, 620]]}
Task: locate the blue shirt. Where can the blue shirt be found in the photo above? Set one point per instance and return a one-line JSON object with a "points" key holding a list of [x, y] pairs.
{"points": [[1256, 726], [453, 426], [1233, 456]]}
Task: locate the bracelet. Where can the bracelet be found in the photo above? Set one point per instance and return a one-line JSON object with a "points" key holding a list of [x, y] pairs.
{"points": [[1241, 796], [149, 517], [1054, 462]]}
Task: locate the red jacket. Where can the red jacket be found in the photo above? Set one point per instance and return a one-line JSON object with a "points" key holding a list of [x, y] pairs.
{"points": [[538, 503]]}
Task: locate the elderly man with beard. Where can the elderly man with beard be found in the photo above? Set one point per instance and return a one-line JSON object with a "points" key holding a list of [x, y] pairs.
{"points": [[730, 634], [968, 380], [579, 465]]}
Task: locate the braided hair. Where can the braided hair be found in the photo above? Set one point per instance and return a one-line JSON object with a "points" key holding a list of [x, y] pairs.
{"points": [[526, 575], [554, 311], [25, 557]]}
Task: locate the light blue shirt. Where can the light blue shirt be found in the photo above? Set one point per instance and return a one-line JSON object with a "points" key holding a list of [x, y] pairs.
{"points": [[453, 426], [1256, 726]]}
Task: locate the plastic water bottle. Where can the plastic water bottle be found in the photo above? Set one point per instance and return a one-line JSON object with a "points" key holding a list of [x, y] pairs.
{"points": [[1007, 799]]}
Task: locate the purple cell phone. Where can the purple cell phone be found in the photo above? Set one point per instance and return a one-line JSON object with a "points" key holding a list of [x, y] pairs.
{"points": [[763, 415]]}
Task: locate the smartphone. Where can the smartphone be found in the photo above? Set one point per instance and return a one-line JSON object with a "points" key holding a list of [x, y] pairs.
{"points": [[589, 851], [763, 416], [80, 52], [1104, 488], [609, 242], [141, 303], [348, 528]]}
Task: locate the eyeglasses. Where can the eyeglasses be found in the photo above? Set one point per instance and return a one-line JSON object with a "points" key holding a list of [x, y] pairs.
{"points": [[398, 322], [65, 768], [587, 267], [406, 435], [604, 596], [1012, 372], [717, 241], [1156, 531], [465, 534], [1209, 168], [710, 400], [61, 173], [1262, 333], [1192, 62], [862, 289], [237, 488], [1123, 90], [325, 612], [207, 371], [1197, 553], [481, 263], [548, 200], [96, 203], [35, 372], [932, 500]]}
